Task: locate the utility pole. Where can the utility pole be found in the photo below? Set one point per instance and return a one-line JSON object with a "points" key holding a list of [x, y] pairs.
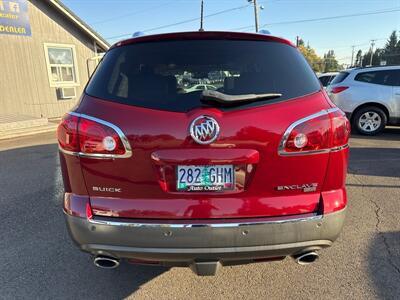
{"points": [[372, 51], [256, 14], [297, 41], [352, 55], [201, 16]]}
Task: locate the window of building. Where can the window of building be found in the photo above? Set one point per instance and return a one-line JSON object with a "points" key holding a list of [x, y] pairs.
{"points": [[61, 65]]}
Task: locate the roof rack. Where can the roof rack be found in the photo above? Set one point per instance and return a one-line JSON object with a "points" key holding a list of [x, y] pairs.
{"points": [[369, 67]]}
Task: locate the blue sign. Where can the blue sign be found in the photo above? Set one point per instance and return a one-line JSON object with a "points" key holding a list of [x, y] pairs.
{"points": [[14, 18]]}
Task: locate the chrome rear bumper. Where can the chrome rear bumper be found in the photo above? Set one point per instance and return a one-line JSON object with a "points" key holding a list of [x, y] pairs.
{"points": [[199, 241]]}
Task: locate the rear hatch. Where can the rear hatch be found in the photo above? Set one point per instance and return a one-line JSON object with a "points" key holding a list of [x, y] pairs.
{"points": [[196, 155]]}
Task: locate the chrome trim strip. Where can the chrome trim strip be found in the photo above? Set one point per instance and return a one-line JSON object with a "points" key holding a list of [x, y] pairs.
{"points": [[340, 148], [333, 109], [283, 153], [285, 136], [67, 152], [202, 225], [124, 139]]}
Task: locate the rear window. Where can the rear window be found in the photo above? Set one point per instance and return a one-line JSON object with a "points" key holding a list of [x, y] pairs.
{"points": [[171, 75], [340, 77], [325, 80]]}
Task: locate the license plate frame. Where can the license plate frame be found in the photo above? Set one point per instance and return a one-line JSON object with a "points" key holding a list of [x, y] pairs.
{"points": [[205, 178]]}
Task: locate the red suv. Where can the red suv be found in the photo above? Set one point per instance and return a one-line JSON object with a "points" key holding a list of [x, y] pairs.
{"points": [[251, 168]]}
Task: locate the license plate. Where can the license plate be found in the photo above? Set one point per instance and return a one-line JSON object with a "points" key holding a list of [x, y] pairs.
{"points": [[205, 178]]}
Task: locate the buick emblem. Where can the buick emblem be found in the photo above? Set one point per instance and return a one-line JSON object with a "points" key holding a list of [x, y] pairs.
{"points": [[204, 130]]}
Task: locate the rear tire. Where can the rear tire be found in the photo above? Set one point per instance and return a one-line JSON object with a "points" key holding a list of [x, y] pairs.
{"points": [[369, 120]]}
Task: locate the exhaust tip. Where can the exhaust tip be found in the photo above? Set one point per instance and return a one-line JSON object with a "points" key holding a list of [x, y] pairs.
{"points": [[306, 258], [105, 262]]}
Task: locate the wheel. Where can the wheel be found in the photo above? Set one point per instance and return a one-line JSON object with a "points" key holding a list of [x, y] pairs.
{"points": [[369, 120]]}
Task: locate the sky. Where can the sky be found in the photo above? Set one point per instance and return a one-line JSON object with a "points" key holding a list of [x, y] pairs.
{"points": [[119, 19]]}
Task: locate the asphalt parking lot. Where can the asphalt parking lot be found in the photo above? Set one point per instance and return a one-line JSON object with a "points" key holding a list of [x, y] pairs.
{"points": [[38, 260]]}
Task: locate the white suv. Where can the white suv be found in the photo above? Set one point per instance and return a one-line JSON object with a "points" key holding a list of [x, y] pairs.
{"points": [[370, 97]]}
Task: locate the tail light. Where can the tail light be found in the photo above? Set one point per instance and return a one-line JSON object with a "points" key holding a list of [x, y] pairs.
{"points": [[324, 131], [338, 89], [341, 129], [67, 133], [98, 138], [91, 137], [88, 210]]}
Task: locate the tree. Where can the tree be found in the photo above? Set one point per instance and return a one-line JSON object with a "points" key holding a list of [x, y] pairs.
{"points": [[311, 56], [329, 62], [376, 58], [398, 49], [326, 64], [358, 61], [391, 52]]}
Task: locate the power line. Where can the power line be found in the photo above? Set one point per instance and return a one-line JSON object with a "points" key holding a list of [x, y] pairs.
{"points": [[347, 46], [389, 10], [182, 22], [368, 43], [130, 14], [198, 18]]}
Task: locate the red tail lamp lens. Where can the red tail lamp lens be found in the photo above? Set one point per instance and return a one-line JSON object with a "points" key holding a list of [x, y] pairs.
{"points": [[67, 133], [324, 132], [89, 213], [98, 138], [82, 135], [341, 128], [339, 89], [311, 135]]}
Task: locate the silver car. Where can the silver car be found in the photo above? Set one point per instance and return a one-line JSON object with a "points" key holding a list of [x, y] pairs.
{"points": [[370, 97]]}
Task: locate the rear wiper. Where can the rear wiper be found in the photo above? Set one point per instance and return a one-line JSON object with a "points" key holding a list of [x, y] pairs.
{"points": [[219, 97]]}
